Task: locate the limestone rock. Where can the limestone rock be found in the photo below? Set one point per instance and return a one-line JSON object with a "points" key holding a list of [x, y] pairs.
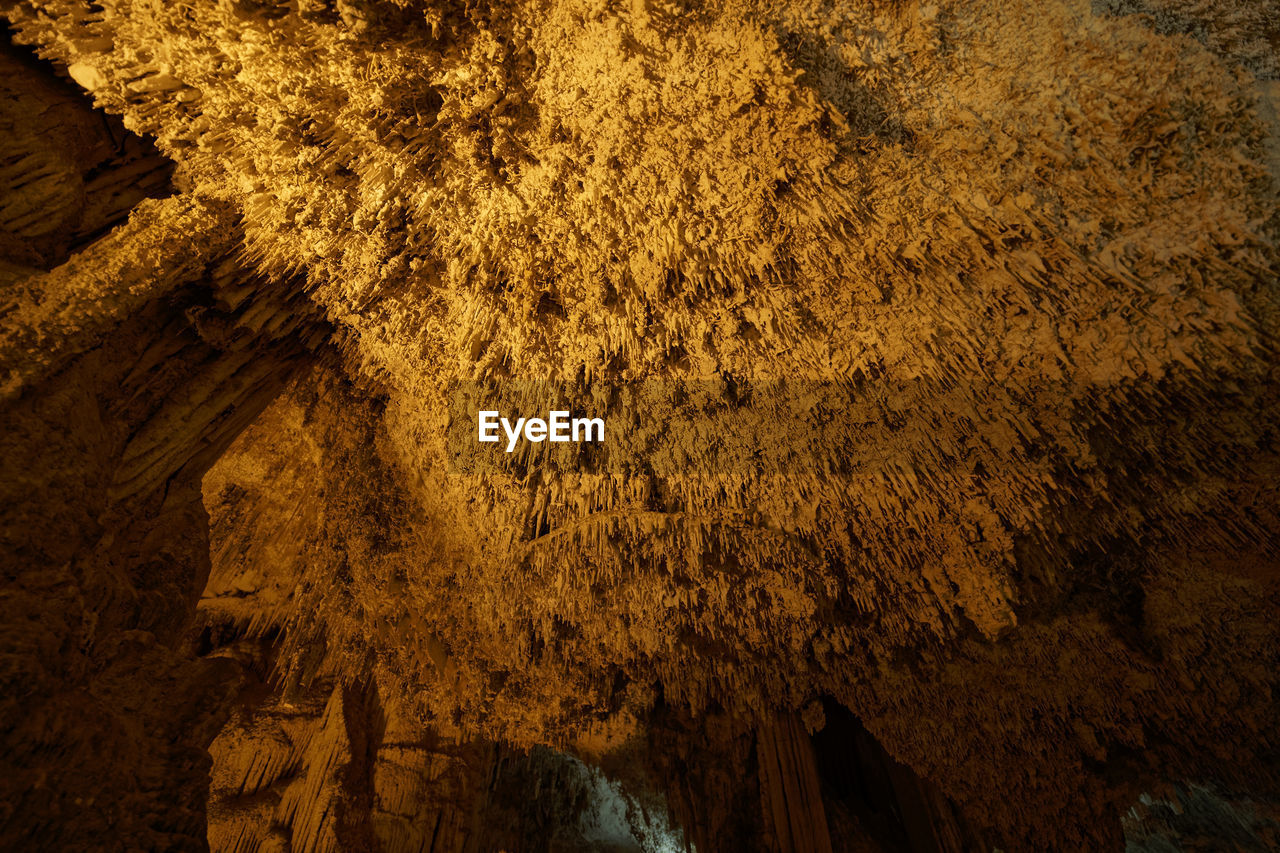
{"points": [[936, 506]]}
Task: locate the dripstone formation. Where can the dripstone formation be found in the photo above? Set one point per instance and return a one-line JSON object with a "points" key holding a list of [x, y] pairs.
{"points": [[937, 344]]}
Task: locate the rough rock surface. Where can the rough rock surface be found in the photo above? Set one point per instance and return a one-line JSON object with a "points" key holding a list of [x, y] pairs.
{"points": [[938, 342]]}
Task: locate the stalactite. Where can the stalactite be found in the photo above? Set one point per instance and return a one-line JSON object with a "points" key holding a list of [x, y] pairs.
{"points": [[935, 344], [790, 789]]}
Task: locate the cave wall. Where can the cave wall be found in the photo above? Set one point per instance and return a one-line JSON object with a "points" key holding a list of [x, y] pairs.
{"points": [[108, 715], [118, 394], [71, 173], [1027, 250]]}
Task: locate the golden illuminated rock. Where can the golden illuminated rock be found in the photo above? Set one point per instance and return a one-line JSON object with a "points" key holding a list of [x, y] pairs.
{"points": [[934, 346]]}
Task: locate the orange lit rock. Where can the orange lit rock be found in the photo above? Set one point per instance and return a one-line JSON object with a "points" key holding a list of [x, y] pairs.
{"points": [[934, 347]]}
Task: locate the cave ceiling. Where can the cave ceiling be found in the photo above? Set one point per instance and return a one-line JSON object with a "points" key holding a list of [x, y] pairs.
{"points": [[936, 345]]}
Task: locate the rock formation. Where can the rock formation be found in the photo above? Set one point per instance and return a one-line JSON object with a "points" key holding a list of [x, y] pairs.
{"points": [[936, 344]]}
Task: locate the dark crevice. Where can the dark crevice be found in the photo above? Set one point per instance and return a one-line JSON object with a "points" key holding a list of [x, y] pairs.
{"points": [[69, 172]]}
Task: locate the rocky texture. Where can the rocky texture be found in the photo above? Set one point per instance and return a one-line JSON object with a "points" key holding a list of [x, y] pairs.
{"points": [[105, 552], [330, 767], [70, 173], [939, 345], [127, 371], [1246, 33], [1196, 818]]}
